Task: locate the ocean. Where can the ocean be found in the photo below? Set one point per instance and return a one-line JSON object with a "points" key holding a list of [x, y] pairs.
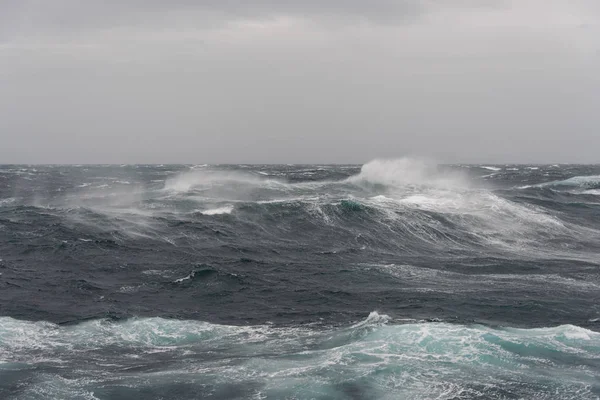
{"points": [[397, 279]]}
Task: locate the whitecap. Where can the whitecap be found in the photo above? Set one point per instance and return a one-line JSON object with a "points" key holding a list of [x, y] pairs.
{"points": [[203, 179], [129, 289], [7, 201], [404, 172], [576, 181], [595, 192], [374, 318], [218, 211], [185, 278]]}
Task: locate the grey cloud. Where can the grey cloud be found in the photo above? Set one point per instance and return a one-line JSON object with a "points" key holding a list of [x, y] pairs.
{"points": [[23, 17], [483, 83]]}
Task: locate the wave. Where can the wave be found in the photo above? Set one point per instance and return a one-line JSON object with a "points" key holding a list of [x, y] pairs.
{"points": [[218, 210], [582, 182], [421, 203], [421, 279], [7, 201], [208, 274], [375, 357], [594, 192], [412, 189], [206, 179], [469, 219], [408, 172]]}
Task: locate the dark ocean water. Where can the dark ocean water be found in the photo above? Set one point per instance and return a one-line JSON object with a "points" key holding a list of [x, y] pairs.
{"points": [[394, 280]]}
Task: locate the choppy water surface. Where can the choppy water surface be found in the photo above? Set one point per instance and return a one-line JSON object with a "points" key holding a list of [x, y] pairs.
{"points": [[396, 279]]}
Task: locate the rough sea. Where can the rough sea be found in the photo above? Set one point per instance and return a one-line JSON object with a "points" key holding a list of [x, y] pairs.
{"points": [[398, 279]]}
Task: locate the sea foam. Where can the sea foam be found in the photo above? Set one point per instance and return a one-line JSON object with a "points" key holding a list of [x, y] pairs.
{"points": [[415, 360]]}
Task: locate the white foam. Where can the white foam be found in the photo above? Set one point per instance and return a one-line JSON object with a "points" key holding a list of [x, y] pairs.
{"points": [[374, 318], [218, 211], [185, 278], [407, 171], [129, 289], [413, 360], [595, 192], [7, 201], [580, 180], [576, 333], [491, 168], [503, 224], [442, 204]]}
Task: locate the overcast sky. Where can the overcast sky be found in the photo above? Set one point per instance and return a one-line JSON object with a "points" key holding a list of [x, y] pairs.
{"points": [[289, 81]]}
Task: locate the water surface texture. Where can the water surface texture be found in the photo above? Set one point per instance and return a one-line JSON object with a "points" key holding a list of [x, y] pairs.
{"points": [[396, 279]]}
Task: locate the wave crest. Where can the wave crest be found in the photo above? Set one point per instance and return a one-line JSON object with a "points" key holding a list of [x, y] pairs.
{"points": [[392, 361], [408, 172], [205, 179]]}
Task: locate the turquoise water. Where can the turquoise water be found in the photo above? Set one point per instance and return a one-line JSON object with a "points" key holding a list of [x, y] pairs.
{"points": [[376, 358]]}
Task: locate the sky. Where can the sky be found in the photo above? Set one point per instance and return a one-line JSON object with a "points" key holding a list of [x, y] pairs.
{"points": [[291, 81]]}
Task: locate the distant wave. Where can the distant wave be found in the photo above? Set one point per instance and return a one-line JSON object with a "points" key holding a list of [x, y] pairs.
{"points": [[583, 182], [408, 171], [202, 178], [404, 203]]}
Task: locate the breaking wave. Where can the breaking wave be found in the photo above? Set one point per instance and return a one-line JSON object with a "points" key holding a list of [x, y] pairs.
{"points": [[206, 179], [408, 172], [217, 211], [580, 181], [590, 182]]}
